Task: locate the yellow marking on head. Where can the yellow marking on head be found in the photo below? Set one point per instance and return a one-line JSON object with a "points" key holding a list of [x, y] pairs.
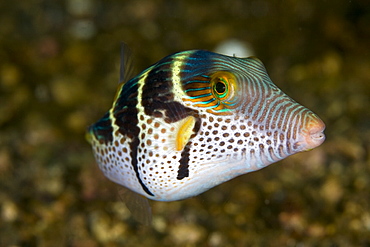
{"points": [[184, 132], [176, 78]]}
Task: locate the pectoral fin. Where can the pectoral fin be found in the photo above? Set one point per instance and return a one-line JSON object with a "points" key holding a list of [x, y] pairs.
{"points": [[184, 132]]}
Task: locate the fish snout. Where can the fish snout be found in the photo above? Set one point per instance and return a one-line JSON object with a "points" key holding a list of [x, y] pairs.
{"points": [[314, 132]]}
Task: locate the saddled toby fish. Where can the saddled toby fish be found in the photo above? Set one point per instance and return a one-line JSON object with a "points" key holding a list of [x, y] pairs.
{"points": [[196, 119]]}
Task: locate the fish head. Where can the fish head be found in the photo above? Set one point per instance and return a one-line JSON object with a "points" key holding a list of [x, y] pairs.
{"points": [[240, 90]]}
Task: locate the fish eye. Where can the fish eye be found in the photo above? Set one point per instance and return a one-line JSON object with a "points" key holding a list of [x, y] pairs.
{"points": [[220, 86], [217, 92]]}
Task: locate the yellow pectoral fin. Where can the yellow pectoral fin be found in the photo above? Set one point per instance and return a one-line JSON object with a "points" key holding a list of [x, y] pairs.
{"points": [[184, 132]]}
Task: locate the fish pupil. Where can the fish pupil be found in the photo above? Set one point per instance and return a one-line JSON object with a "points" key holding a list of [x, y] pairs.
{"points": [[220, 87]]}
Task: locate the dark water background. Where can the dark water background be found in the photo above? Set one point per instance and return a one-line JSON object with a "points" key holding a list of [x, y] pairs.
{"points": [[59, 63]]}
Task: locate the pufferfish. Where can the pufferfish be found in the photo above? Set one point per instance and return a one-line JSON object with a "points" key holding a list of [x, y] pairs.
{"points": [[196, 119]]}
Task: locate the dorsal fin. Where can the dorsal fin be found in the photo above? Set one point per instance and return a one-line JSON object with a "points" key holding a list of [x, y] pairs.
{"points": [[126, 68]]}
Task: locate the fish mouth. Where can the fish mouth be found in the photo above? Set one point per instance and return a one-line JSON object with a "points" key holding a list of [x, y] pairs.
{"points": [[313, 134]]}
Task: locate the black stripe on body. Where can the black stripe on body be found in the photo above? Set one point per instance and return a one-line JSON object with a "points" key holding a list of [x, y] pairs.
{"points": [[157, 96], [125, 114], [158, 101], [134, 145], [183, 170]]}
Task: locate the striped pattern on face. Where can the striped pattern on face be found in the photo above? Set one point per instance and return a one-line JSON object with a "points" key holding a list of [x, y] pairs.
{"points": [[196, 119]]}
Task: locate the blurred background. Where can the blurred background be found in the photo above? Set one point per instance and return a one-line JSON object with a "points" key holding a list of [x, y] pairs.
{"points": [[59, 68]]}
